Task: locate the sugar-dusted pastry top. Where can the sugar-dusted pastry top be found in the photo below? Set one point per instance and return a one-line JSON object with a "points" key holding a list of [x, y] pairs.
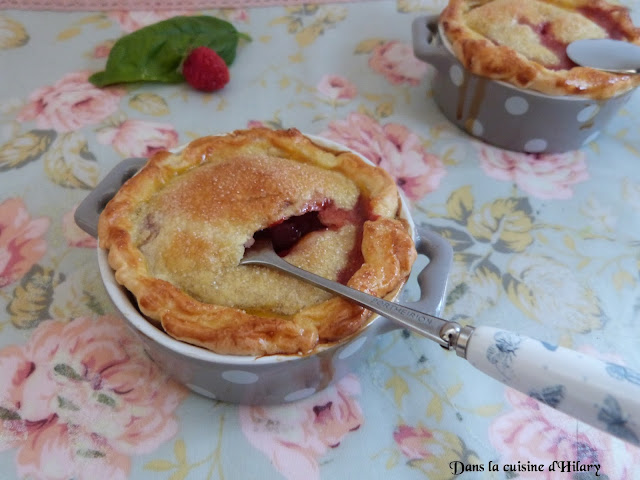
{"points": [[177, 230], [524, 42]]}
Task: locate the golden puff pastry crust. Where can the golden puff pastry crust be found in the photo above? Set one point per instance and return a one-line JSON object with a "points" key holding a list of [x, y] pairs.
{"points": [[176, 231], [523, 42]]}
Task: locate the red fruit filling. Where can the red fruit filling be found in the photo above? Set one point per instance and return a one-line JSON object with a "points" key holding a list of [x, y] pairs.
{"points": [[553, 43], [287, 233], [606, 22], [549, 40]]}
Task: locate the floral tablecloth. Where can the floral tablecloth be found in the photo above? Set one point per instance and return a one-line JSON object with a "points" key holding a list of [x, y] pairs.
{"points": [[158, 5], [547, 245]]}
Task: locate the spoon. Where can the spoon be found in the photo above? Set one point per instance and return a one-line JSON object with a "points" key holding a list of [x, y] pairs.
{"points": [[602, 394], [616, 56]]}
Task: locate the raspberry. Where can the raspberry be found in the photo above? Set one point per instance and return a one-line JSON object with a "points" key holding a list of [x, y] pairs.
{"points": [[205, 70]]}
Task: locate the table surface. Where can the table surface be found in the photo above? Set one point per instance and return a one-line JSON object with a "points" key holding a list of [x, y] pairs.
{"points": [[546, 245]]}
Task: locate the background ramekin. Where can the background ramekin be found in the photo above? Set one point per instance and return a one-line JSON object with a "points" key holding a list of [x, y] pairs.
{"points": [[267, 379], [502, 114]]}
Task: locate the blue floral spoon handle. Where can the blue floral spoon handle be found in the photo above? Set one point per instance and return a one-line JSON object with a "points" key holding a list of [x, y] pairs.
{"points": [[602, 394]]}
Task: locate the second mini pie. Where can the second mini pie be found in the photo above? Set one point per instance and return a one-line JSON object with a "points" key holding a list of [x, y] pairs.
{"points": [[523, 42]]}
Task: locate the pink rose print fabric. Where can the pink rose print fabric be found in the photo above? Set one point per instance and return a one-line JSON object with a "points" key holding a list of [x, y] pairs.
{"points": [[139, 138], [396, 61], [336, 89], [75, 236], [130, 21], [537, 433], [71, 103], [296, 436], [79, 398], [256, 124], [22, 242], [238, 15], [413, 441], [546, 176], [393, 147], [103, 49]]}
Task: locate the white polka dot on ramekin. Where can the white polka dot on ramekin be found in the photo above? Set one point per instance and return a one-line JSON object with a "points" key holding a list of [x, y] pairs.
{"points": [[201, 390], [516, 105], [587, 113], [476, 128], [240, 376], [456, 74], [299, 394], [591, 137], [352, 348], [535, 145]]}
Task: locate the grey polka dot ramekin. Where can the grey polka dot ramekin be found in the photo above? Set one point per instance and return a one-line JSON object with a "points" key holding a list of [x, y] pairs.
{"points": [[502, 114], [270, 379]]}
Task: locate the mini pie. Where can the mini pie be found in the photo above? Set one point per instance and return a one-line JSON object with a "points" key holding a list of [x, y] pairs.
{"points": [[523, 42], [176, 231]]}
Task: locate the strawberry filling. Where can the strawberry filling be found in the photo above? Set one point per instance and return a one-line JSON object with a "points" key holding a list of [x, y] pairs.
{"points": [[286, 233], [606, 22], [557, 46], [550, 41]]}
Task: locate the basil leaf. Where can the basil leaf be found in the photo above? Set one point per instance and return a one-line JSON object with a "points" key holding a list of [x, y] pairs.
{"points": [[155, 52]]}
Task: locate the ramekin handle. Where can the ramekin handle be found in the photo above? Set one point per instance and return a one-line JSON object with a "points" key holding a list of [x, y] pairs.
{"points": [[434, 277], [88, 212], [426, 45], [599, 393]]}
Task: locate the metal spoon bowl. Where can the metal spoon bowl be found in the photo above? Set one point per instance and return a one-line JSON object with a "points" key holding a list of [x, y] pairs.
{"points": [[615, 56]]}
